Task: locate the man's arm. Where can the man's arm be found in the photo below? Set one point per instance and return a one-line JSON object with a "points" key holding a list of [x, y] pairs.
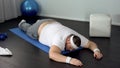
{"points": [[55, 54], [93, 46]]}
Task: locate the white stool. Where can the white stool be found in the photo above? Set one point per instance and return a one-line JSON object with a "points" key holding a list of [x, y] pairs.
{"points": [[100, 25]]}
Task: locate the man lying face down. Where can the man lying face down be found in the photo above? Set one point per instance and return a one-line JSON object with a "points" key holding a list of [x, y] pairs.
{"points": [[59, 37]]}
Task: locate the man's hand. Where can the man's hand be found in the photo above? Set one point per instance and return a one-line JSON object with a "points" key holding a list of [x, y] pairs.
{"points": [[98, 55], [76, 62]]}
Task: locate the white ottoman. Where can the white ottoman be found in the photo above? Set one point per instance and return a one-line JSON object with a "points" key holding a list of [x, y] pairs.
{"points": [[100, 25]]}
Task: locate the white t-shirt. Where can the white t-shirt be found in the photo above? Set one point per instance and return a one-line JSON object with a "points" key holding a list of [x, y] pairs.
{"points": [[56, 34]]}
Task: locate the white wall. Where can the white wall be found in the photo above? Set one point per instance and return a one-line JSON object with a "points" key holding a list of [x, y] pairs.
{"points": [[80, 9]]}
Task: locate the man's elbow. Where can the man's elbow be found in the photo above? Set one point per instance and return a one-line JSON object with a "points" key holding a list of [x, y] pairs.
{"points": [[51, 56]]}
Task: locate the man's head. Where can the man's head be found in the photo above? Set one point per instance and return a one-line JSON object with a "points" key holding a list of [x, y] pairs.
{"points": [[73, 42]]}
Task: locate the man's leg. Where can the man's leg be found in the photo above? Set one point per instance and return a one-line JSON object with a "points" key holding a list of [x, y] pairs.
{"points": [[32, 31], [27, 28], [23, 25]]}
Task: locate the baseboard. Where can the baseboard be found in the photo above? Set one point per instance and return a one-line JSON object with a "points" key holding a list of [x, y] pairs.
{"points": [[75, 19], [67, 18], [116, 24]]}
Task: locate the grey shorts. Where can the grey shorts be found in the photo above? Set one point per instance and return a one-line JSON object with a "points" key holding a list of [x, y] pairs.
{"points": [[32, 31]]}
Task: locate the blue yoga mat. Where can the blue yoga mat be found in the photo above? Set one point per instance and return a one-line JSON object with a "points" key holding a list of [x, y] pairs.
{"points": [[36, 43]]}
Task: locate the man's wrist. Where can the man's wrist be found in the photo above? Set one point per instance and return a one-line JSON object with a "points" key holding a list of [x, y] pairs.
{"points": [[96, 50], [68, 59]]}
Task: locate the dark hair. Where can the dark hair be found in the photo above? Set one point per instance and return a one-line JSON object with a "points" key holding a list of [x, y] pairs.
{"points": [[77, 40]]}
